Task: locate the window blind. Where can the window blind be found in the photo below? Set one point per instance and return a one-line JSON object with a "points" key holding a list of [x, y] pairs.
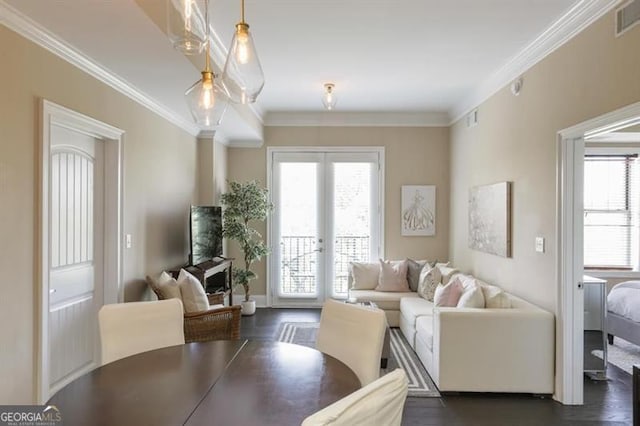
{"points": [[611, 197]]}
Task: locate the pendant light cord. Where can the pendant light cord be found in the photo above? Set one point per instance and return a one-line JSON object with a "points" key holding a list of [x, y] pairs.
{"points": [[207, 65], [242, 12]]}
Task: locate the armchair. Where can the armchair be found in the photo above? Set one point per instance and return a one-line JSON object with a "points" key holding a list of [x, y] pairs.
{"points": [[218, 323]]}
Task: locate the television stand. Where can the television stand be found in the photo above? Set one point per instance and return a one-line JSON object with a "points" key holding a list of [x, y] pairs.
{"points": [[216, 276]]}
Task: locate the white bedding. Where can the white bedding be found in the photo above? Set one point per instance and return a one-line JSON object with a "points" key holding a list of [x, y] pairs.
{"points": [[624, 300]]}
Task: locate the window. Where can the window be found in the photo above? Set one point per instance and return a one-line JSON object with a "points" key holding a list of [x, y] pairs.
{"points": [[611, 196]]}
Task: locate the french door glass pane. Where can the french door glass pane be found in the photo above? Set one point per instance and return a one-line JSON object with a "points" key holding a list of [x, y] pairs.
{"points": [[352, 219], [298, 229]]}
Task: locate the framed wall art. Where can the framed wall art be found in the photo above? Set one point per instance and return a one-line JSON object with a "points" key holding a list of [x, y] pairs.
{"points": [[490, 218], [418, 210]]}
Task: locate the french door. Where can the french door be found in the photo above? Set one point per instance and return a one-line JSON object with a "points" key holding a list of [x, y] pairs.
{"points": [[328, 212]]}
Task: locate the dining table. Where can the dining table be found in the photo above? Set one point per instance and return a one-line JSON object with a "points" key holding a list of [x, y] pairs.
{"points": [[226, 382]]}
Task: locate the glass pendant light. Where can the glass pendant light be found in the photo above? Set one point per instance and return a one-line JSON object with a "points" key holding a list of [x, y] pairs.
{"points": [[242, 74], [329, 99], [186, 26], [207, 99]]}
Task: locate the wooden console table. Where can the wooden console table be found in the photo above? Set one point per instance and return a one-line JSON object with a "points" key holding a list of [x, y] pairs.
{"points": [[204, 271]]}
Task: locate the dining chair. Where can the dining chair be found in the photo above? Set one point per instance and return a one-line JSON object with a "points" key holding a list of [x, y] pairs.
{"points": [[130, 328], [379, 403], [353, 334]]}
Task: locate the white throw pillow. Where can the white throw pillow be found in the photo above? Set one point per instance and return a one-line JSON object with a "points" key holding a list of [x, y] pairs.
{"points": [[393, 276], [447, 273], [364, 276], [168, 286], [448, 295], [495, 297], [194, 298], [429, 280], [471, 296]]}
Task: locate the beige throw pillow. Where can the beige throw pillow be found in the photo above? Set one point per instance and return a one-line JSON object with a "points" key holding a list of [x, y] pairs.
{"points": [[363, 276], [471, 296], [495, 298], [194, 298], [428, 282], [168, 286], [393, 276]]}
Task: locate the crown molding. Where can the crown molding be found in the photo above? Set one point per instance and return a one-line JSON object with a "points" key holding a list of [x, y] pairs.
{"points": [[357, 119], [576, 19], [31, 30]]}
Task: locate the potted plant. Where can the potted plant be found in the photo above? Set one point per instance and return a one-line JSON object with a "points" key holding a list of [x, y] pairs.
{"points": [[243, 204]]}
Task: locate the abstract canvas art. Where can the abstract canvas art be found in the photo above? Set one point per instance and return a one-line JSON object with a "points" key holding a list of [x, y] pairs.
{"points": [[418, 210], [490, 218]]}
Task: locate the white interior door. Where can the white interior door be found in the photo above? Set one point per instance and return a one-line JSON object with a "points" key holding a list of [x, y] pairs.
{"points": [[327, 214], [76, 194]]}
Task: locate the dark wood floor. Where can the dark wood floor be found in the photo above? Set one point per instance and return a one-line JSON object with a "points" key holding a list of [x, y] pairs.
{"points": [[606, 402]]}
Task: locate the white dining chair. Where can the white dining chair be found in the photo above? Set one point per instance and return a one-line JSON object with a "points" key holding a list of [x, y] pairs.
{"points": [[353, 334], [130, 328], [380, 403]]}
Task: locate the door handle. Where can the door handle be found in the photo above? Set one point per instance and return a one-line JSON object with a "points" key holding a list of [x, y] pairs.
{"points": [[52, 290], [320, 250]]}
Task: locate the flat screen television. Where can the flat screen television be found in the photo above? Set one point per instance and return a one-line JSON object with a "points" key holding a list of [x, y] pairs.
{"points": [[206, 233]]}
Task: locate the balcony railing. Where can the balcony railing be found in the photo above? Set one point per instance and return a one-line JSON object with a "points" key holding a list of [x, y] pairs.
{"points": [[298, 262]]}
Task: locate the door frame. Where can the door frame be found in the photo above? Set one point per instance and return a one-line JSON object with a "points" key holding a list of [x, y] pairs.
{"points": [[113, 138], [271, 150], [569, 258]]}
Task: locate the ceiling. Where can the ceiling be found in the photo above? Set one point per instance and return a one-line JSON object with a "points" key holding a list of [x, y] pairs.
{"points": [[396, 57]]}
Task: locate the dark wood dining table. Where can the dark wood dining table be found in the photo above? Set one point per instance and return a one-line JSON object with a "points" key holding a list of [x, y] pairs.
{"points": [[230, 382]]}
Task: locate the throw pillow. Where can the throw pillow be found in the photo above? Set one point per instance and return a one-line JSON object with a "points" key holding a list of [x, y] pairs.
{"points": [[168, 286], [495, 298], [471, 296], [448, 295], [414, 267], [393, 277], [428, 282], [447, 273], [194, 298], [363, 276]]}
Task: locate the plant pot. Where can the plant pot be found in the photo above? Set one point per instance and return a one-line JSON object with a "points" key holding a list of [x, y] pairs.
{"points": [[248, 308]]}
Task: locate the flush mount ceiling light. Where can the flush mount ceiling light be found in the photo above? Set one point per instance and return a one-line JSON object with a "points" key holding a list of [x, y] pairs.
{"points": [[242, 73], [186, 25], [207, 99], [329, 98]]}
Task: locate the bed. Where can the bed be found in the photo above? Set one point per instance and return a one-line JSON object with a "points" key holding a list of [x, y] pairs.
{"points": [[623, 312]]}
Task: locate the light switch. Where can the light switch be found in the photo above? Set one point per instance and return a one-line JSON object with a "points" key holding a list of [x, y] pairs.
{"points": [[127, 239], [540, 244]]}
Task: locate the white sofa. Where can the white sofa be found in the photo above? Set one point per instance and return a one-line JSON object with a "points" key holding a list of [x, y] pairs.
{"points": [[475, 349], [483, 350]]}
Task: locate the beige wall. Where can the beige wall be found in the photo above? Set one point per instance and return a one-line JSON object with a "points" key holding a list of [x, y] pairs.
{"points": [[159, 185], [413, 156], [515, 141]]}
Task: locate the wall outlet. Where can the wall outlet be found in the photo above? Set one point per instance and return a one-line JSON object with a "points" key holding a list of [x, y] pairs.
{"points": [[127, 240], [540, 244]]}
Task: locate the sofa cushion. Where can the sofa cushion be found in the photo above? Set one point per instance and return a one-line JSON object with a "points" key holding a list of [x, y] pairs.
{"points": [[363, 275], [384, 300], [472, 296], [424, 329], [447, 273], [393, 277], [429, 280], [414, 307], [448, 295]]}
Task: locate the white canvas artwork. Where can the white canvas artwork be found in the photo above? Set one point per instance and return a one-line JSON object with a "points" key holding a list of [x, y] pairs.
{"points": [[490, 218], [418, 210]]}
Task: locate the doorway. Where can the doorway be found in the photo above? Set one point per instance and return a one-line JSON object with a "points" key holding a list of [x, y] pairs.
{"points": [[80, 268], [327, 213], [570, 263]]}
